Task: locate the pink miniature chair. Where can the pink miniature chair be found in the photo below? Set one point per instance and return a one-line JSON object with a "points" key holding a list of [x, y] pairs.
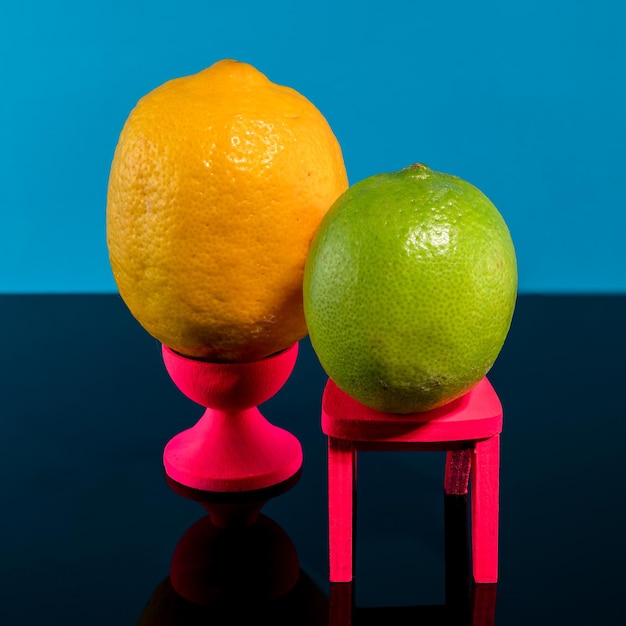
{"points": [[467, 428]]}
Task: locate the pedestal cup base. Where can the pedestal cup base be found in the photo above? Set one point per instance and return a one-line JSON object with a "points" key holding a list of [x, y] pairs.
{"points": [[232, 452]]}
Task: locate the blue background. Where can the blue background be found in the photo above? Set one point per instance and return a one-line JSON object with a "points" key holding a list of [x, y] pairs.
{"points": [[526, 100]]}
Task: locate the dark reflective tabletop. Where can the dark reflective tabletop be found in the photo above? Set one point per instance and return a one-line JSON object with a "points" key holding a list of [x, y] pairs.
{"points": [[90, 531]]}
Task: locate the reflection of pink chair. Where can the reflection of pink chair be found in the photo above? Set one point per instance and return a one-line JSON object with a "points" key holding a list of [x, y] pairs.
{"points": [[468, 429]]}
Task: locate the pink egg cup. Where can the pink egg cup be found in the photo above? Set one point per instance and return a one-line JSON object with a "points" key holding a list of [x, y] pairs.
{"points": [[233, 459]]}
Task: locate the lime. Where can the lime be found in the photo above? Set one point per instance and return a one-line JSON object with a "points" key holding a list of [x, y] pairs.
{"points": [[409, 289]]}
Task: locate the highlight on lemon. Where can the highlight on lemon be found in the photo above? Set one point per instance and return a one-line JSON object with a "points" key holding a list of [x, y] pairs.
{"points": [[409, 289], [218, 183]]}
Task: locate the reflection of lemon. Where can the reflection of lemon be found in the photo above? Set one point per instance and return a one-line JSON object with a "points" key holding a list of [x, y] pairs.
{"points": [[218, 183], [409, 289]]}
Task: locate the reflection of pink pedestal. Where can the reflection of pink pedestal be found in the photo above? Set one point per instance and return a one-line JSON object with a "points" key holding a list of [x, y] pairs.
{"points": [[232, 448], [248, 564], [468, 428]]}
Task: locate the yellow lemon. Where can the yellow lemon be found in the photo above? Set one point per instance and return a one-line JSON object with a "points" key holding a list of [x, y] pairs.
{"points": [[218, 183]]}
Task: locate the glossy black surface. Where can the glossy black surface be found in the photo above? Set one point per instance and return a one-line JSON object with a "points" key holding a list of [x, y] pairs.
{"points": [[89, 527]]}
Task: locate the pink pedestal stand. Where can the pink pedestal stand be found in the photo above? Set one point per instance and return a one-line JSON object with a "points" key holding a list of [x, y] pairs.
{"points": [[233, 459], [468, 429]]}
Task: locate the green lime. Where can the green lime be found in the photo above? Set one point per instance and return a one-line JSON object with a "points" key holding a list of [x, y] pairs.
{"points": [[409, 289]]}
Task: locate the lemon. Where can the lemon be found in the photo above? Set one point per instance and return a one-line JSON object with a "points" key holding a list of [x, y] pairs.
{"points": [[218, 183], [409, 289]]}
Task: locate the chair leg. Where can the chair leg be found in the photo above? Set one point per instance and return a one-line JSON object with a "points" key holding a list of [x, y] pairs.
{"points": [[485, 509], [456, 550], [458, 465], [341, 492]]}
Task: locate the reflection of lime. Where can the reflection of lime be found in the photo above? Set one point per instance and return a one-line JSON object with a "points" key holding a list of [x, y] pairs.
{"points": [[409, 288]]}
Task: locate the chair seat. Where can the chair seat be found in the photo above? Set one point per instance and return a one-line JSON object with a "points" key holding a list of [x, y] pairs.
{"points": [[476, 415]]}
